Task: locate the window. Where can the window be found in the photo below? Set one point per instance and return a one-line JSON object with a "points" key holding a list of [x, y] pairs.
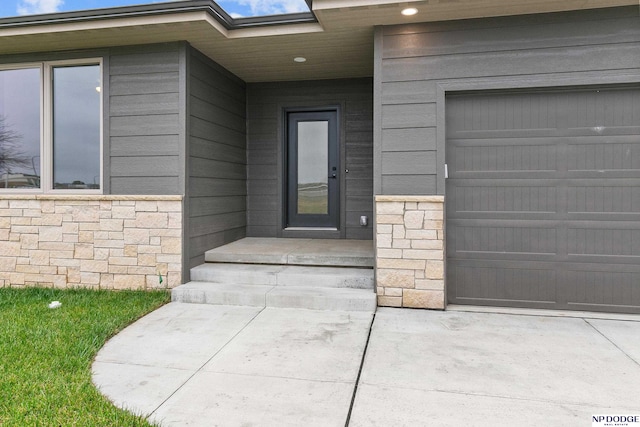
{"points": [[51, 127], [20, 128]]}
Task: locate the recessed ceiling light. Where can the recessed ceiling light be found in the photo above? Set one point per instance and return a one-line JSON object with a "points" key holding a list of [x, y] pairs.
{"points": [[409, 11], [300, 59]]}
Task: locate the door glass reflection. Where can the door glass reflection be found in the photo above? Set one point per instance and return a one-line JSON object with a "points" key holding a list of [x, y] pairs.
{"points": [[313, 158]]}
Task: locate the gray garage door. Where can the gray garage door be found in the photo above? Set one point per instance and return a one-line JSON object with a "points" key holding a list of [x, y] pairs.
{"points": [[543, 199]]}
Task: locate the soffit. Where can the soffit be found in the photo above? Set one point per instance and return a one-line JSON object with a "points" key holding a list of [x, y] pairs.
{"points": [[339, 45], [255, 54], [352, 13]]}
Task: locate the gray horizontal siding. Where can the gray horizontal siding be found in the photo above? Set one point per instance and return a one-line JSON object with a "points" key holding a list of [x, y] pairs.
{"points": [[136, 146], [216, 132], [144, 120], [402, 116], [216, 193], [126, 84], [149, 185], [486, 64], [146, 60], [542, 32], [266, 103], [413, 60], [145, 125], [143, 104]]}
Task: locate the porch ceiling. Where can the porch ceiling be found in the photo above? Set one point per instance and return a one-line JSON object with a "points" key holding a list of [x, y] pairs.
{"points": [[339, 45]]}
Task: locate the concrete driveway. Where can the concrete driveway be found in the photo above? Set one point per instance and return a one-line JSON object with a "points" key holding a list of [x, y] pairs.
{"points": [[200, 365], [425, 368]]}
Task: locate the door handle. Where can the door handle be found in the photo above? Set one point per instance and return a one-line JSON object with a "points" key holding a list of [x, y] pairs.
{"points": [[333, 176]]}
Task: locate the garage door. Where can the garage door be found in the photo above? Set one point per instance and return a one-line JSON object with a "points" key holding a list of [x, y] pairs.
{"points": [[543, 199]]}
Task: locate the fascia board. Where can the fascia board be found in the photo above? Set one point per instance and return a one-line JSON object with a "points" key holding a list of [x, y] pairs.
{"points": [[268, 31], [112, 24]]}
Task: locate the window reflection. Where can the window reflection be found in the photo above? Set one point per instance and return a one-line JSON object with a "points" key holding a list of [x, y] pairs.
{"points": [[20, 128], [76, 127]]}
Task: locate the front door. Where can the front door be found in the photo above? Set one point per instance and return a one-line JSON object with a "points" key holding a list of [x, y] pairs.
{"points": [[312, 170]]}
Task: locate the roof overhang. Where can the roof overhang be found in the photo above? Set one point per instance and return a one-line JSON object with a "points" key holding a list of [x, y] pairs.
{"points": [[336, 39]]}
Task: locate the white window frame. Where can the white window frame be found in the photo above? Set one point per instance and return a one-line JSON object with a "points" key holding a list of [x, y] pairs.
{"points": [[46, 124]]}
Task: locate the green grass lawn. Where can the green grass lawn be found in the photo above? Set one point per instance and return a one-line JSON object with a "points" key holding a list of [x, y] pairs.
{"points": [[46, 354]]}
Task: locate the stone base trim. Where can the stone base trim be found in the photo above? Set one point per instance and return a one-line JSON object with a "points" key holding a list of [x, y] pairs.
{"points": [[410, 251], [97, 241]]}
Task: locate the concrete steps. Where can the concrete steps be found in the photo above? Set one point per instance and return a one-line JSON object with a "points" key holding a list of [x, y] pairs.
{"points": [[312, 298], [286, 273]]}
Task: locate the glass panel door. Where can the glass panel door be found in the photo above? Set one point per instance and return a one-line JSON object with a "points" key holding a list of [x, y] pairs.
{"points": [[312, 170]]}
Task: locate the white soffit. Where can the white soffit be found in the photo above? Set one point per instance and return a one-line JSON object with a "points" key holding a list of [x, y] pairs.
{"points": [[332, 13]]}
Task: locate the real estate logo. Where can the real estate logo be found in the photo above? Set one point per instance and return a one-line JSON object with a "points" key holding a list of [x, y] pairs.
{"points": [[615, 420]]}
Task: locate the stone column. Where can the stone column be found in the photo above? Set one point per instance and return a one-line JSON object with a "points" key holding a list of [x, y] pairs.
{"points": [[410, 251]]}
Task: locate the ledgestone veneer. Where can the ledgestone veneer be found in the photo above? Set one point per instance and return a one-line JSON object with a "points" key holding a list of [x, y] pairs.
{"points": [[410, 251], [107, 242]]}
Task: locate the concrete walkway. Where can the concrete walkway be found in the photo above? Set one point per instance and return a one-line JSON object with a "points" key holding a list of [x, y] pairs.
{"points": [[203, 365], [206, 365]]}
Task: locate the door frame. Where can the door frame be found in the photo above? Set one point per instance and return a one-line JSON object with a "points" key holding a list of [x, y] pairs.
{"points": [[311, 232]]}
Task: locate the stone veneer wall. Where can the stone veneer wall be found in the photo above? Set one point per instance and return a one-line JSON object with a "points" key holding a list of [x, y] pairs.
{"points": [[410, 251], [106, 242]]}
